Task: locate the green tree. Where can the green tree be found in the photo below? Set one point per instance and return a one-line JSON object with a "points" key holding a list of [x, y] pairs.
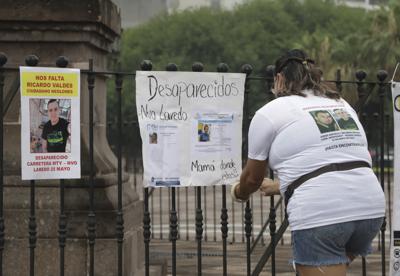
{"points": [[257, 32], [382, 42]]}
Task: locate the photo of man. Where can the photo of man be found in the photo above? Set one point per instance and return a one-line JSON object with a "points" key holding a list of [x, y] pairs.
{"points": [[50, 127], [324, 121], [56, 131], [345, 121]]}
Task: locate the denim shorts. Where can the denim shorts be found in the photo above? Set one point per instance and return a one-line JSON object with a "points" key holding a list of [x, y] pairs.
{"points": [[330, 244]]}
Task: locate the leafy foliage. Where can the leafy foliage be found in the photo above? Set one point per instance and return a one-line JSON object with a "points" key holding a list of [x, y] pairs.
{"points": [[258, 31]]}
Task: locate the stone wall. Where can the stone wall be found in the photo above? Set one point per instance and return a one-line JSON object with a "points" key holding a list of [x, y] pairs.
{"points": [[79, 30]]}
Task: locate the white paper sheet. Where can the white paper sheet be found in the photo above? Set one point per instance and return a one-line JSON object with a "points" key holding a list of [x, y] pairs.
{"points": [[191, 127]]}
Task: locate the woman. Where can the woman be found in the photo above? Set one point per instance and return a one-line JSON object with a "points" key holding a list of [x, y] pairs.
{"points": [[335, 204]]}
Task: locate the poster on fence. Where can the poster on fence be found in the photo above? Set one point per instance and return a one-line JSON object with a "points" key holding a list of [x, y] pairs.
{"points": [[395, 233], [50, 123], [191, 127]]}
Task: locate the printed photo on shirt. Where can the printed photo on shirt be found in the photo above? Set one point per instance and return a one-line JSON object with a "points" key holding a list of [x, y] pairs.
{"points": [[324, 120], [50, 125], [344, 119], [203, 131]]}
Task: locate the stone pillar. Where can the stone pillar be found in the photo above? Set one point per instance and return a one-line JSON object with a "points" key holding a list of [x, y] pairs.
{"points": [[79, 30]]}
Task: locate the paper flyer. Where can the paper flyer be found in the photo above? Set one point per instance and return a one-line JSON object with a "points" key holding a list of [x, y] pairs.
{"points": [[50, 123], [191, 127]]}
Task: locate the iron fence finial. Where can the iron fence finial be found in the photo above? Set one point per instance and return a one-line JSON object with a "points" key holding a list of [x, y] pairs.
{"points": [[382, 75], [361, 75], [32, 60], [62, 62]]}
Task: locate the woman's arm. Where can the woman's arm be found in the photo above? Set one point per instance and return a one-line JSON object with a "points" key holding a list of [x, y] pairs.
{"points": [[260, 137], [251, 179]]}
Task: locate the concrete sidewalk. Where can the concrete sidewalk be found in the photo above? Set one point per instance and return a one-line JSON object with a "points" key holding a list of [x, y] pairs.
{"points": [[212, 259]]}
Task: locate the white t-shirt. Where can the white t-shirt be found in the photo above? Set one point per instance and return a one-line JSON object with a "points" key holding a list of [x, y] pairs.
{"points": [[301, 134]]}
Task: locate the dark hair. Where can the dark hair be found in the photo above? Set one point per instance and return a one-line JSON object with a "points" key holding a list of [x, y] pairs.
{"points": [[52, 101], [321, 111], [300, 73]]}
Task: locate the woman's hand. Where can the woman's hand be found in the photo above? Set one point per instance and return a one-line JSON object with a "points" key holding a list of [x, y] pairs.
{"points": [[269, 187]]}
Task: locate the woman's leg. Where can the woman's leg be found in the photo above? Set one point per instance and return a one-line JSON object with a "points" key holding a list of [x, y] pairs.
{"points": [[330, 270]]}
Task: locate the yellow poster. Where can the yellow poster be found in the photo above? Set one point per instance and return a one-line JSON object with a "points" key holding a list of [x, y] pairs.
{"points": [[49, 84]]}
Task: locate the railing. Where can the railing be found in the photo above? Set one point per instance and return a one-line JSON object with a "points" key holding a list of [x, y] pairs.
{"points": [[88, 182], [196, 213], [253, 227]]}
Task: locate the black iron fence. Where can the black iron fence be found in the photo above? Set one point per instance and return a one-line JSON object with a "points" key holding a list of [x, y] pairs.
{"points": [[373, 104], [88, 181], [200, 214]]}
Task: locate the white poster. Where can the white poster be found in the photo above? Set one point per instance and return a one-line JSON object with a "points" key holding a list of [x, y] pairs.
{"points": [[191, 127], [395, 234], [50, 123]]}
